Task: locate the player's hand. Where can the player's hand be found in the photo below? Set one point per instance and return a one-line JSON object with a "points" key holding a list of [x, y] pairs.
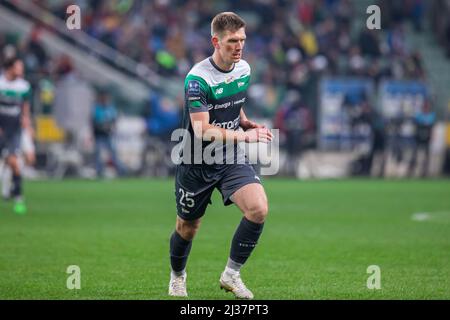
{"points": [[251, 125], [258, 135]]}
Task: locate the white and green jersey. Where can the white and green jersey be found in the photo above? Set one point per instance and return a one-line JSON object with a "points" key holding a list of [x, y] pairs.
{"points": [[13, 94], [220, 93]]}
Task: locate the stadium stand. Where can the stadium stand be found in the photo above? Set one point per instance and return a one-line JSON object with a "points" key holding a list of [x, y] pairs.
{"points": [[296, 48]]}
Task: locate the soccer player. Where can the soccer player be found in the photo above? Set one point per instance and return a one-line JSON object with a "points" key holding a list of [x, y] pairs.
{"points": [[215, 92], [14, 115]]}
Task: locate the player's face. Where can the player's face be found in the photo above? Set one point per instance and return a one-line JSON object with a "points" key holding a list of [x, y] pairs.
{"points": [[18, 69], [231, 44]]}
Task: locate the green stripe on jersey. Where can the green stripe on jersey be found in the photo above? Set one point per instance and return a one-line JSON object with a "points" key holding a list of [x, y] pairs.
{"points": [[223, 90], [15, 93]]}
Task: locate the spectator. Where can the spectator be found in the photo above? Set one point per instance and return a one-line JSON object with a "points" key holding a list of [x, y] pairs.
{"points": [[103, 120], [298, 125], [424, 122]]}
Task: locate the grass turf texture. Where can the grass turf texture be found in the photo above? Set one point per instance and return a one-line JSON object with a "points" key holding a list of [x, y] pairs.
{"points": [[318, 241]]}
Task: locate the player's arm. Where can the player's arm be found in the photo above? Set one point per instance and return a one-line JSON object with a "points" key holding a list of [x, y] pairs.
{"points": [[196, 91], [26, 118], [208, 132], [247, 124]]}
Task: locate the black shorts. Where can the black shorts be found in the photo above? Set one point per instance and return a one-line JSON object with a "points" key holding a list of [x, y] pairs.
{"points": [[10, 143], [195, 184]]}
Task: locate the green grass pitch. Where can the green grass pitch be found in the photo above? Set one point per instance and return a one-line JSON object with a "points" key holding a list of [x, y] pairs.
{"points": [[318, 241]]}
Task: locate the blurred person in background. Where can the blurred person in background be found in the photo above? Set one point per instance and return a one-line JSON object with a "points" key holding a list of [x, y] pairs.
{"points": [[447, 40], [34, 53], [162, 117], [371, 130], [103, 122], [377, 157], [14, 118], [72, 110], [297, 123], [424, 123]]}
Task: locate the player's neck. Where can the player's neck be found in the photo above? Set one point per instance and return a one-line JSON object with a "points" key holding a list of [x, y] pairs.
{"points": [[220, 63], [9, 76]]}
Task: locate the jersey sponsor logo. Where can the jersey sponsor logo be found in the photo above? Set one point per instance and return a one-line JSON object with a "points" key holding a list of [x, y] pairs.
{"points": [[193, 98], [239, 101], [193, 87], [191, 150], [230, 125], [222, 106]]}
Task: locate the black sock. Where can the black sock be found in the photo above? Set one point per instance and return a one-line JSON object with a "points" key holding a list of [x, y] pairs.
{"points": [[17, 186], [244, 240], [179, 252]]}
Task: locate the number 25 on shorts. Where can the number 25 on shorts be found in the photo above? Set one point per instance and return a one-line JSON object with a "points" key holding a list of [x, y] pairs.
{"points": [[185, 199]]}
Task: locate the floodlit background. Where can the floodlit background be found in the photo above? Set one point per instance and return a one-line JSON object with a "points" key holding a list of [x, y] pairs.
{"points": [[364, 148]]}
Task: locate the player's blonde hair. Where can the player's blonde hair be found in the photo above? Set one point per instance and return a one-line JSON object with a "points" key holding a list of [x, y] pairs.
{"points": [[226, 21]]}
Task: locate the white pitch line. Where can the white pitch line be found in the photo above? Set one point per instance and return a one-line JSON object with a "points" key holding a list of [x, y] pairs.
{"points": [[420, 216]]}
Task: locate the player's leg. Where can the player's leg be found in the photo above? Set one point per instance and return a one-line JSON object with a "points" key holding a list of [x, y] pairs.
{"points": [[251, 199], [13, 149], [6, 181], [242, 186], [114, 158], [193, 195], [28, 151], [5, 171], [98, 156], [180, 247], [181, 243], [13, 163], [28, 148]]}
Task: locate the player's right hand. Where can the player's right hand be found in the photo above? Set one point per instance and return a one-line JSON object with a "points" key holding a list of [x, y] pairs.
{"points": [[258, 135]]}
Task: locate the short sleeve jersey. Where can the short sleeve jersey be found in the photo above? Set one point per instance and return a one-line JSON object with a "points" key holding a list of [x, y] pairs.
{"points": [[13, 94], [220, 93]]}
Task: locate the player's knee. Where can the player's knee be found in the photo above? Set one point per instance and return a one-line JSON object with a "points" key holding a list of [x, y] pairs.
{"points": [[187, 229], [14, 164], [257, 213], [30, 159]]}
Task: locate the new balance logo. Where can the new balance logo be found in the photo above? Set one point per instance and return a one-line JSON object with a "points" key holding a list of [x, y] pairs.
{"points": [[240, 84], [219, 91]]}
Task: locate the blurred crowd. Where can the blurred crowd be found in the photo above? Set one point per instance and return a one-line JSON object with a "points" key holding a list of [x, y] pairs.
{"points": [[440, 23], [291, 46], [293, 42]]}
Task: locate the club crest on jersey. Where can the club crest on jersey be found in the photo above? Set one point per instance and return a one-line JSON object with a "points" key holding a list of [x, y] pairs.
{"points": [[229, 79]]}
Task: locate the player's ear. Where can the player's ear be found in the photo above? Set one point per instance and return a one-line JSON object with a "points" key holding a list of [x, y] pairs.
{"points": [[215, 42]]}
